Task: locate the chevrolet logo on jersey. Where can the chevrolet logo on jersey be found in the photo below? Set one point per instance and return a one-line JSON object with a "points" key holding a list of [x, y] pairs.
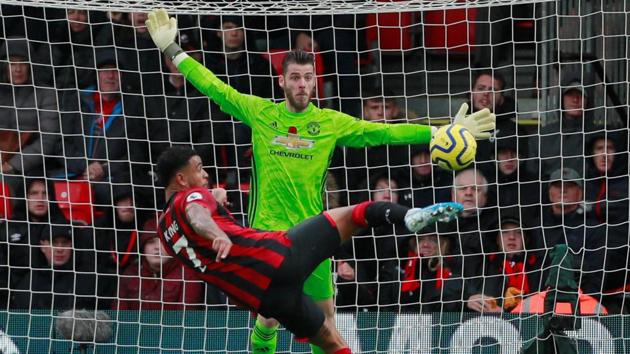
{"points": [[293, 141]]}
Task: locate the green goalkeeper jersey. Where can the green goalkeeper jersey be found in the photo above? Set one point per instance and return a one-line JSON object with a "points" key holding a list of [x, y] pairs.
{"points": [[292, 151]]}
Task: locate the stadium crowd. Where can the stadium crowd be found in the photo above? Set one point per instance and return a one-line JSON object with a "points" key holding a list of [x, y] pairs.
{"points": [[85, 112]]}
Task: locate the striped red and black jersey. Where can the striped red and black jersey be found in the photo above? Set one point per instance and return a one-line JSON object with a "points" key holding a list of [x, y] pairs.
{"points": [[254, 257]]}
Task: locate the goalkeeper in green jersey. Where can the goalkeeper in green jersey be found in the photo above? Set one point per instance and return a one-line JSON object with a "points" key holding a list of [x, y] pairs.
{"points": [[293, 142]]}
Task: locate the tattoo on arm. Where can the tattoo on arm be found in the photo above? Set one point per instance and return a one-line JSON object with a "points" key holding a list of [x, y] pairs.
{"points": [[201, 221]]}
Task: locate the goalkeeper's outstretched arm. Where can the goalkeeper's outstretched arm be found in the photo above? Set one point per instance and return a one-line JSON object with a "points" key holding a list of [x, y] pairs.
{"points": [[163, 31]]}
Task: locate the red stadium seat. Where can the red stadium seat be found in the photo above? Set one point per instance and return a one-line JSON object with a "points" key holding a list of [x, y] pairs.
{"points": [[451, 30], [74, 199], [276, 57], [390, 31], [6, 206]]}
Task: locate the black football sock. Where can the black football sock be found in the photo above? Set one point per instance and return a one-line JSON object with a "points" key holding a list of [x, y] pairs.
{"points": [[375, 214]]}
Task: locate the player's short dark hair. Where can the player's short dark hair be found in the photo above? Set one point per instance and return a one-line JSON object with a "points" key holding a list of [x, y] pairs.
{"points": [[172, 160], [299, 57]]}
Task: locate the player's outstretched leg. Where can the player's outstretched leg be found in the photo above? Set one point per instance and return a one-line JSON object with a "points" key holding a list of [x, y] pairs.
{"points": [[417, 219], [373, 214], [264, 337]]}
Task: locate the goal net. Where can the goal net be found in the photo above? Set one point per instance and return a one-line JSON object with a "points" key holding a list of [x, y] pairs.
{"points": [[538, 258]]}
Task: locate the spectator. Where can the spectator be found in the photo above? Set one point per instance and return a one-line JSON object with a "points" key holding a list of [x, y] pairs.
{"points": [[429, 284], [248, 73], [566, 150], [29, 128], [23, 230], [509, 274], [606, 195], [428, 185], [116, 234], [381, 108], [182, 115], [139, 58], [106, 145], [373, 279], [475, 225], [488, 91], [72, 47], [363, 163], [56, 279], [606, 190], [564, 222], [158, 281], [515, 185]]}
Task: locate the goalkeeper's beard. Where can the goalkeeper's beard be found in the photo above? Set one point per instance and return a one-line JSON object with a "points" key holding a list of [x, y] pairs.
{"points": [[297, 103]]}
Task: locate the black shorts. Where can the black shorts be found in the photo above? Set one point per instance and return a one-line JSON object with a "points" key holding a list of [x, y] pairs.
{"points": [[313, 241]]}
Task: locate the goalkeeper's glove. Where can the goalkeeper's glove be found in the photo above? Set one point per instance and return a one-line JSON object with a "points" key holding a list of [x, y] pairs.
{"points": [[480, 124], [163, 31]]}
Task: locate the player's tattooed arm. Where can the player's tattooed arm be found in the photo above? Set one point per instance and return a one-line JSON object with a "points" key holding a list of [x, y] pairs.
{"points": [[201, 221]]}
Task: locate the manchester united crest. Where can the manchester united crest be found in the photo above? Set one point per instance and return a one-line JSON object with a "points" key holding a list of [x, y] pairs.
{"points": [[313, 128]]}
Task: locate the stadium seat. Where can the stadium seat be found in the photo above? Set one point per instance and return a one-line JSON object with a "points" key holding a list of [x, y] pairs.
{"points": [[6, 206], [74, 199], [452, 30], [390, 31], [276, 57]]}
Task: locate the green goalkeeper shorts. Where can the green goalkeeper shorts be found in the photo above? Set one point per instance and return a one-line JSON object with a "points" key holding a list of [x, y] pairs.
{"points": [[319, 285]]}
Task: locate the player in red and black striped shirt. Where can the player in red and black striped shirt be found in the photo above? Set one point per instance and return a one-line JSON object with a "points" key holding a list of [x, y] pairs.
{"points": [[265, 271]]}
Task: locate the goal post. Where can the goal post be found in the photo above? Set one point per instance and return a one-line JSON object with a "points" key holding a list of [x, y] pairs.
{"points": [[87, 103]]}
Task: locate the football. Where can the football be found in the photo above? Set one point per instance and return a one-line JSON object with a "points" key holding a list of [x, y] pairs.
{"points": [[453, 147]]}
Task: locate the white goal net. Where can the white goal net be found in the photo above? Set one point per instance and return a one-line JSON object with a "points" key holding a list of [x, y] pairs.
{"points": [[538, 258]]}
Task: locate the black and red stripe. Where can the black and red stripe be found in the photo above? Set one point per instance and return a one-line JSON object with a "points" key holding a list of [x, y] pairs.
{"points": [[247, 272]]}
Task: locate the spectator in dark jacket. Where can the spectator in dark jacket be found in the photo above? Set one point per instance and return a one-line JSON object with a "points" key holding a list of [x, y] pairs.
{"points": [[72, 43], [515, 186], [57, 279], [566, 222], [429, 283], [606, 189], [23, 230], [116, 233], [510, 273], [29, 128], [428, 185], [181, 116], [248, 73], [476, 224], [158, 281], [139, 58], [606, 195], [565, 135], [106, 142]]}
